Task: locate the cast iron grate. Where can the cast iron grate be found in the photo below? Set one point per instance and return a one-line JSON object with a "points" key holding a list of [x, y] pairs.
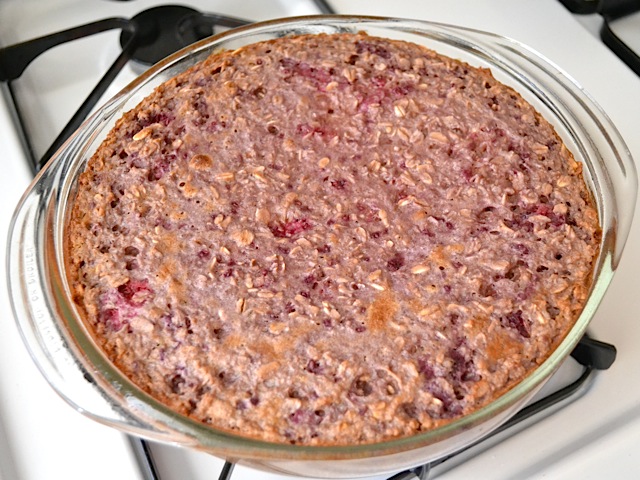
{"points": [[147, 38], [610, 11]]}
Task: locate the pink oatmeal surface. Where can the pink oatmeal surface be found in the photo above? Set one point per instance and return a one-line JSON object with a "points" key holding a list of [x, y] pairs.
{"points": [[331, 239]]}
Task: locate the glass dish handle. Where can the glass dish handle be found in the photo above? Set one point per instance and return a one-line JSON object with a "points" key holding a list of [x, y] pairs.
{"points": [[47, 344], [43, 337]]}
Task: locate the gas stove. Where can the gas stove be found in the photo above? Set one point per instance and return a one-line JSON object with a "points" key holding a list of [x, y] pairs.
{"points": [[593, 432]]}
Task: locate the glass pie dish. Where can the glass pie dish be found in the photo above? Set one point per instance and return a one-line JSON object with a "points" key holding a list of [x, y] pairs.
{"points": [[76, 367]]}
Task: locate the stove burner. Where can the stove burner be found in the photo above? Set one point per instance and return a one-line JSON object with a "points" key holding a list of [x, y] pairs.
{"points": [[161, 31]]}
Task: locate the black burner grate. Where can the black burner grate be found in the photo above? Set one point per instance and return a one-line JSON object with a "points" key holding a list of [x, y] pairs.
{"points": [[147, 38], [610, 11]]}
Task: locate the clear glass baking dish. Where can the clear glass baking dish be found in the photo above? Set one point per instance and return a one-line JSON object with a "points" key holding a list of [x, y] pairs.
{"points": [[71, 361]]}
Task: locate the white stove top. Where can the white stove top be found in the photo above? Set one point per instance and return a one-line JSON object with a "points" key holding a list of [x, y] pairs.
{"points": [[597, 436]]}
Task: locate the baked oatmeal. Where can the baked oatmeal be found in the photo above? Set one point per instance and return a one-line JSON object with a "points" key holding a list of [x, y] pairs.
{"points": [[330, 240]]}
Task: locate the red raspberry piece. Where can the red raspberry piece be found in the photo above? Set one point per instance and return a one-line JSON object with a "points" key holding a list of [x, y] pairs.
{"points": [[290, 228], [135, 292]]}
